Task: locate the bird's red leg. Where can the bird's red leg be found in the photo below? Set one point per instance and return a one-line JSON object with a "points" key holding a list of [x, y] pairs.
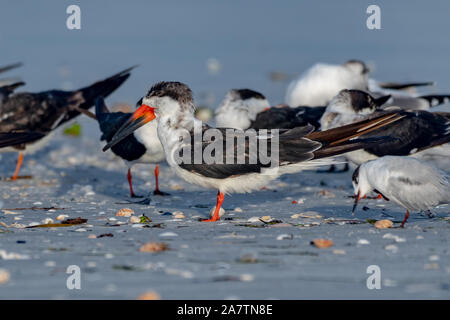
{"points": [[131, 185], [157, 178], [406, 218], [157, 191], [19, 164], [216, 217]]}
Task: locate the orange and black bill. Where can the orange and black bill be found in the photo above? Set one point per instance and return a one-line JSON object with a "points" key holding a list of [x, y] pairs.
{"points": [[358, 196], [143, 115]]}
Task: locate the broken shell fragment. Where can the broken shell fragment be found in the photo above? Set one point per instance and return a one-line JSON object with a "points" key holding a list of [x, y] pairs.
{"points": [[124, 212], [134, 219], [153, 247], [149, 295], [383, 224], [4, 276], [322, 243], [62, 217]]}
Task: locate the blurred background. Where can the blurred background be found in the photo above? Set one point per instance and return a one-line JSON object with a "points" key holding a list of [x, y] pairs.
{"points": [[214, 46]]}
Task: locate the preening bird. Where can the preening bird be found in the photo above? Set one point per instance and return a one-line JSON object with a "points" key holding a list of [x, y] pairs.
{"points": [[409, 182], [243, 167]]}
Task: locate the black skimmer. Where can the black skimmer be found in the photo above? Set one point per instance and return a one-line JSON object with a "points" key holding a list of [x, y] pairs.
{"points": [[415, 134], [8, 139], [409, 182], [178, 130], [244, 109], [142, 146], [45, 111], [319, 84]]}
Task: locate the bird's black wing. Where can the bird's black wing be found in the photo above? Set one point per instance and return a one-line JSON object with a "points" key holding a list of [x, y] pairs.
{"points": [[47, 110], [288, 118], [417, 130], [16, 138], [245, 154]]}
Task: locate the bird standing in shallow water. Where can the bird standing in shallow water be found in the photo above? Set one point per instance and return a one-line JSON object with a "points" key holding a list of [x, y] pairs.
{"points": [[409, 182], [142, 146], [298, 149]]}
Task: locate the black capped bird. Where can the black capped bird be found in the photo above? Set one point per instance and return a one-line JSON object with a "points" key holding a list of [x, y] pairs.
{"points": [[142, 146], [45, 111], [243, 167], [419, 133], [409, 182], [246, 108]]}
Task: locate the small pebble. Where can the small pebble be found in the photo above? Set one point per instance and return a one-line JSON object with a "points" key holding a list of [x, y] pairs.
{"points": [[394, 237], [392, 248], [92, 236], [246, 277], [47, 221], [168, 234], [237, 209], [124, 212], [285, 237], [339, 251], [363, 242], [81, 230]]}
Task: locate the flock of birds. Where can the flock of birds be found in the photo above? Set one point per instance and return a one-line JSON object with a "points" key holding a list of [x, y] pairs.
{"points": [[331, 111]]}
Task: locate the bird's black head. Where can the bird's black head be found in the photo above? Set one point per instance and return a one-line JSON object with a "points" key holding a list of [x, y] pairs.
{"points": [[363, 102], [245, 94], [178, 91]]}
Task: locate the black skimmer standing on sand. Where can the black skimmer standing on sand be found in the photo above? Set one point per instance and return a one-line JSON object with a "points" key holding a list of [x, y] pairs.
{"points": [[409, 182], [142, 146], [45, 111], [415, 134], [178, 131], [320, 83], [244, 109]]}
